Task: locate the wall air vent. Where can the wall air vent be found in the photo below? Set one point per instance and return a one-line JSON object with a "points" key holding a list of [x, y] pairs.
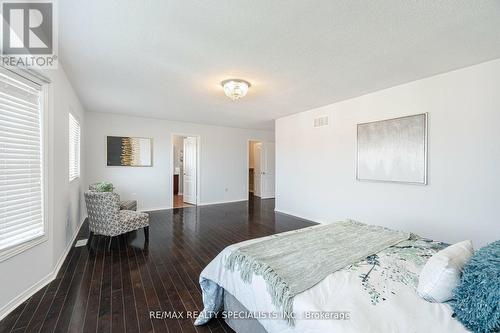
{"points": [[321, 121]]}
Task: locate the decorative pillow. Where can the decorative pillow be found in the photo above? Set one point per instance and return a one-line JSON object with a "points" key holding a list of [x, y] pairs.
{"points": [[477, 298], [441, 274], [104, 187]]}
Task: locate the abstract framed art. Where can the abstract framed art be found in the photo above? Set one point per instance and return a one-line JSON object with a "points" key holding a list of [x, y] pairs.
{"points": [[393, 150], [129, 151]]}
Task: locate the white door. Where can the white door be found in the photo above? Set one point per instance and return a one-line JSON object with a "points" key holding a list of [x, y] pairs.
{"points": [[190, 181], [267, 165], [257, 172]]}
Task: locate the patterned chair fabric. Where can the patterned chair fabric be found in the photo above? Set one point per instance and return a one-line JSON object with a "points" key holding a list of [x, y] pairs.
{"points": [[128, 205], [124, 205], [93, 187], [106, 218]]}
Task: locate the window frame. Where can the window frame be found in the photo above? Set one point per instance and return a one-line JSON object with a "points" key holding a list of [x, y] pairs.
{"points": [[71, 115], [46, 156]]}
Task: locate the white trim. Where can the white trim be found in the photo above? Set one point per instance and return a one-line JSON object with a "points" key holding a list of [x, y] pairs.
{"points": [[48, 160], [221, 202], [66, 251], [10, 252], [198, 166], [279, 211], [200, 204], [29, 74], [77, 145], [145, 210], [248, 165], [14, 303]]}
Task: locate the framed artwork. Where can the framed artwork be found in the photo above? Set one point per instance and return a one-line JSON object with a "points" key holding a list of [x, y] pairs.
{"points": [[129, 151], [393, 150]]}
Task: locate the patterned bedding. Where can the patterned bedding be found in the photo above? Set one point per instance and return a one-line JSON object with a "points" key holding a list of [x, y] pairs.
{"points": [[377, 294], [380, 274]]}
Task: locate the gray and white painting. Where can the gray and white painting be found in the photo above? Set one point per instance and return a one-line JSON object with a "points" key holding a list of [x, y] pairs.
{"points": [[393, 150]]}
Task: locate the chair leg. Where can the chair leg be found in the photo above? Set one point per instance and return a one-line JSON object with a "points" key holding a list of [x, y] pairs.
{"points": [[110, 242], [89, 241], [146, 234]]}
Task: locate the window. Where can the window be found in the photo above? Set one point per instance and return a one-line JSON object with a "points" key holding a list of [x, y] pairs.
{"points": [[21, 164], [74, 148]]}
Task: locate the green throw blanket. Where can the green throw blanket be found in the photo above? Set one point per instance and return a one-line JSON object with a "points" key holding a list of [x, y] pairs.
{"points": [[291, 263]]}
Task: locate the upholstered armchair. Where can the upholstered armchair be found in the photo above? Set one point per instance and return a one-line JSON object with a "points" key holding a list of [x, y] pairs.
{"points": [[106, 218], [124, 205]]}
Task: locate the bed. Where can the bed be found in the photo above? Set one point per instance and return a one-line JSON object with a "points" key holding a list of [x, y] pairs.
{"points": [[376, 294]]}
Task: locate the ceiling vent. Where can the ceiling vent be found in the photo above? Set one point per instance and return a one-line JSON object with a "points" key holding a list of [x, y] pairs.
{"points": [[321, 121]]}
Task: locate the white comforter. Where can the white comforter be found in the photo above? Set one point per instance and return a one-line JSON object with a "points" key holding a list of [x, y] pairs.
{"points": [[378, 294]]}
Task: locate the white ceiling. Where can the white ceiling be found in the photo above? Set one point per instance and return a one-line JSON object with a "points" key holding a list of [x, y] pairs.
{"points": [[165, 59]]}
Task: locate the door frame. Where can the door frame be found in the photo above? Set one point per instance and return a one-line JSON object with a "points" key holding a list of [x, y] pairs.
{"points": [[171, 166], [274, 177], [248, 163]]}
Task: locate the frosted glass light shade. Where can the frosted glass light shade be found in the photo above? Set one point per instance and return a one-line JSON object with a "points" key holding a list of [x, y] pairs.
{"points": [[235, 89]]}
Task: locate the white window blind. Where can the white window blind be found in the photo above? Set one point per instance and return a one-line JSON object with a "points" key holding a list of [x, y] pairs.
{"points": [[74, 148], [21, 185]]}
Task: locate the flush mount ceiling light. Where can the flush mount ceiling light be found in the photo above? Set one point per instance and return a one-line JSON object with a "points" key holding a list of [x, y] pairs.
{"points": [[235, 88]]}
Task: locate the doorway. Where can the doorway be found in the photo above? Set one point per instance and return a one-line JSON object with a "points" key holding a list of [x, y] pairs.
{"points": [[261, 165], [185, 180]]}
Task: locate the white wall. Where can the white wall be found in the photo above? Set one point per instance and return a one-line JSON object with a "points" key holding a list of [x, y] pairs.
{"points": [[223, 159], [24, 273], [316, 167]]}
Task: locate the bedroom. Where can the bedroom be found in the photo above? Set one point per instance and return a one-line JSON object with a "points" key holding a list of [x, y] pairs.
{"points": [[381, 214]]}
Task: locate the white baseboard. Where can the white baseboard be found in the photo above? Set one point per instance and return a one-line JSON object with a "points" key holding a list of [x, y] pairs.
{"points": [[297, 216], [14, 303], [155, 209], [221, 202], [200, 204], [66, 251]]}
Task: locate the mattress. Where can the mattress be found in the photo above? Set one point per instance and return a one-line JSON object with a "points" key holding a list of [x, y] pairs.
{"points": [[377, 294], [247, 325]]}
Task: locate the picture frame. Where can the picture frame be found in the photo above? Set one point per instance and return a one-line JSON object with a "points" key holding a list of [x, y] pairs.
{"points": [[127, 151], [393, 150]]}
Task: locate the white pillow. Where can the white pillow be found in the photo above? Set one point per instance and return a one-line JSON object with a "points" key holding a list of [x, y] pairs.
{"points": [[441, 274]]}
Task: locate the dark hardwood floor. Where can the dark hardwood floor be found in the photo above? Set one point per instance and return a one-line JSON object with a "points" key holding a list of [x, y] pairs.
{"points": [[113, 291]]}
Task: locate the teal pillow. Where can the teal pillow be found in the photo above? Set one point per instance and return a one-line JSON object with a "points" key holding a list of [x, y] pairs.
{"points": [[477, 298]]}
